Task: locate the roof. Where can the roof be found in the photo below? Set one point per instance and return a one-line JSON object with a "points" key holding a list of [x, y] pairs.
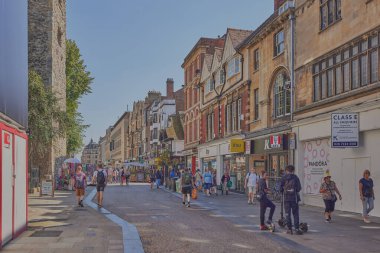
{"points": [[250, 38], [91, 145], [204, 42], [120, 119], [237, 35]]}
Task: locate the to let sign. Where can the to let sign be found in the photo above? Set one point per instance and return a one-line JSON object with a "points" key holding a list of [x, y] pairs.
{"points": [[344, 130]]}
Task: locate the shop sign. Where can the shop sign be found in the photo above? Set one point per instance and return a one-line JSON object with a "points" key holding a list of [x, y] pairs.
{"points": [[237, 146], [275, 142], [157, 161], [7, 140], [249, 148], [47, 187], [344, 130]]}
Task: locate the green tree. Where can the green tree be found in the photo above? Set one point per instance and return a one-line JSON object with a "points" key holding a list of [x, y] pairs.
{"points": [[43, 111], [78, 84]]}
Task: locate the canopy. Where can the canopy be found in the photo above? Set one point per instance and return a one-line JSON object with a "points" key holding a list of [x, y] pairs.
{"points": [[137, 164], [72, 160]]}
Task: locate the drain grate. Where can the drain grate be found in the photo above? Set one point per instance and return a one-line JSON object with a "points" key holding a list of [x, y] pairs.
{"points": [[46, 233]]}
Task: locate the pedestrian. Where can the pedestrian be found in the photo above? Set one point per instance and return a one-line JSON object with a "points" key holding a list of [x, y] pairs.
{"points": [[80, 184], [158, 178], [187, 183], [214, 186], [122, 176], [328, 189], [250, 182], [127, 176], [100, 177], [198, 179], [262, 191], [152, 177], [367, 194], [224, 182], [207, 181], [290, 187]]}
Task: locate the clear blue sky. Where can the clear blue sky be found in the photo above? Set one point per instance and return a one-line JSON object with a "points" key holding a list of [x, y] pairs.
{"points": [[132, 46]]}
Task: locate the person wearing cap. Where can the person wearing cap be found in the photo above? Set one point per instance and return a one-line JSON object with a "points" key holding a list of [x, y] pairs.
{"points": [[328, 189]]}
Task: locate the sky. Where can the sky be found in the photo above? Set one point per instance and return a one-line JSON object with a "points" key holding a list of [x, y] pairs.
{"points": [[132, 46]]}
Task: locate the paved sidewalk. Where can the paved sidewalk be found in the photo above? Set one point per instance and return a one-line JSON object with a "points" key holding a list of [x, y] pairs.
{"points": [[64, 227], [347, 232]]}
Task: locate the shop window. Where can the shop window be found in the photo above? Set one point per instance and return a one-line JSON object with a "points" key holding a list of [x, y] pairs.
{"points": [[281, 95]]}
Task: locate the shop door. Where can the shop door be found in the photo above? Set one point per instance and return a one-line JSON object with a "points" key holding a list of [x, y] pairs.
{"points": [[20, 191], [351, 173], [6, 187]]}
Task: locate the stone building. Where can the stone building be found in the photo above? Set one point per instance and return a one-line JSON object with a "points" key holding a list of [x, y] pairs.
{"points": [[337, 71], [90, 153], [118, 140], [47, 56], [268, 52], [192, 66], [224, 94], [134, 141]]}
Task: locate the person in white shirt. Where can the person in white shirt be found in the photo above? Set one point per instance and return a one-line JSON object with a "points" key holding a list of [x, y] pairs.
{"points": [[251, 180]]}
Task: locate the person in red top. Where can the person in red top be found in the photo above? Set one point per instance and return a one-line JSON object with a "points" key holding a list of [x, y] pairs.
{"points": [[80, 184]]}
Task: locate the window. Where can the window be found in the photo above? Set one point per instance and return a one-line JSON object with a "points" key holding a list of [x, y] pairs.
{"points": [[239, 114], [330, 12], [256, 57], [228, 119], [279, 43], [210, 126], [256, 103], [233, 66], [234, 118], [353, 67], [221, 77], [209, 85], [281, 95]]}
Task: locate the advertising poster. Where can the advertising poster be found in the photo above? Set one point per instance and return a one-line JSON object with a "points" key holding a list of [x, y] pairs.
{"points": [[316, 161]]}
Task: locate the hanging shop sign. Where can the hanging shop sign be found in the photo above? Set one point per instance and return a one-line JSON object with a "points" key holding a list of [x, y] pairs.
{"points": [[344, 130], [237, 146], [292, 140]]}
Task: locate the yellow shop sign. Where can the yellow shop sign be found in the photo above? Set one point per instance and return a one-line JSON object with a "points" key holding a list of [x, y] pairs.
{"points": [[237, 146]]}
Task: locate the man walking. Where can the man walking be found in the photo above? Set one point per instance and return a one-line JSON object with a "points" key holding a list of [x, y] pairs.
{"points": [[290, 187], [80, 184], [158, 178], [100, 175], [251, 181], [187, 183], [207, 180]]}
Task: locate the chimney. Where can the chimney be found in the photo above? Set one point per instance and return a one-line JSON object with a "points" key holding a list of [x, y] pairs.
{"points": [[278, 3], [170, 88]]}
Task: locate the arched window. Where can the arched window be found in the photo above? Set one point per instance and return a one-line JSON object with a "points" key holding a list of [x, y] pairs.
{"points": [[281, 95]]}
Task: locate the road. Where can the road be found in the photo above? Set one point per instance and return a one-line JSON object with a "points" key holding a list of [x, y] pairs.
{"points": [[165, 225]]}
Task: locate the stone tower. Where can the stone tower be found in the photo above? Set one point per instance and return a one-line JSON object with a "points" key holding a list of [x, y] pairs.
{"points": [[47, 56]]}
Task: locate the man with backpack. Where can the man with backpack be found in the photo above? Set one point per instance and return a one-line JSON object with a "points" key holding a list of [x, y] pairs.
{"points": [[100, 175], [187, 185], [251, 181], [290, 188], [80, 184]]}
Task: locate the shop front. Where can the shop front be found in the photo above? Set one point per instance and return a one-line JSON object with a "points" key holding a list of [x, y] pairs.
{"points": [[191, 159]]}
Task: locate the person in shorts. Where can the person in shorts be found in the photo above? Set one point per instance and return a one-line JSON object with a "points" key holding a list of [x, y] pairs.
{"points": [[100, 178], [187, 185], [80, 184], [207, 181], [250, 182]]}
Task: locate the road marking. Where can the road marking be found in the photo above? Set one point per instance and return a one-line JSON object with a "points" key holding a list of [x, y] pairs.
{"points": [[131, 237]]}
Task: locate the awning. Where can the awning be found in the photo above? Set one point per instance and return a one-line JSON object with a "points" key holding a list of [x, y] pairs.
{"points": [[136, 164]]}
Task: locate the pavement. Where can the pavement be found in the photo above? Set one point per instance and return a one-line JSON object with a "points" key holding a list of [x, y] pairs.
{"points": [[137, 219], [57, 225]]}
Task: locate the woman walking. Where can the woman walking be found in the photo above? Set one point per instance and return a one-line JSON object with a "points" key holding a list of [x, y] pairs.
{"points": [[328, 190], [224, 181], [367, 195]]}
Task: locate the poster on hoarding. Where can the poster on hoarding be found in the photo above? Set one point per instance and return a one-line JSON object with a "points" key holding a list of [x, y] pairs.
{"points": [[345, 130], [316, 162]]}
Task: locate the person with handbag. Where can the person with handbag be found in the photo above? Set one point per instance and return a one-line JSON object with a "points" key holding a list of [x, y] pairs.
{"points": [[265, 203], [329, 190], [225, 182]]}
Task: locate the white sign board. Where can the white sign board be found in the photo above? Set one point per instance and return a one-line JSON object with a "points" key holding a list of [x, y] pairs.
{"points": [[47, 188], [344, 130]]}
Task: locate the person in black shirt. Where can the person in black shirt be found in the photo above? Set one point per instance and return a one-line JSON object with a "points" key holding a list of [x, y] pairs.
{"points": [[264, 201]]}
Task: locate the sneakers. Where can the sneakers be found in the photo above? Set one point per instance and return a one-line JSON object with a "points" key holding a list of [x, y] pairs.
{"points": [[298, 232], [366, 220], [264, 227], [289, 232], [188, 204], [183, 202], [269, 222], [81, 203], [327, 220]]}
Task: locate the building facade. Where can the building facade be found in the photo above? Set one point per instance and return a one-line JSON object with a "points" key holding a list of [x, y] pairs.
{"points": [[117, 140], [90, 153], [337, 71]]}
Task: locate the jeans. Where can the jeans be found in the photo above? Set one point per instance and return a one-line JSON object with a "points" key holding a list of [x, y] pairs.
{"points": [[264, 203], [158, 182], [292, 207], [367, 205]]}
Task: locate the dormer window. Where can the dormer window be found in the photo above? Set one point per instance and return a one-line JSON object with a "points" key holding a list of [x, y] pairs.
{"points": [[233, 66]]}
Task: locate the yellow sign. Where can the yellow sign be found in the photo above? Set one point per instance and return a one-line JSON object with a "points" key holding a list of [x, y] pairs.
{"points": [[157, 161], [237, 146]]}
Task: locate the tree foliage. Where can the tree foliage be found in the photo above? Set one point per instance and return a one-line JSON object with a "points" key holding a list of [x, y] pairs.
{"points": [[78, 84], [43, 111]]}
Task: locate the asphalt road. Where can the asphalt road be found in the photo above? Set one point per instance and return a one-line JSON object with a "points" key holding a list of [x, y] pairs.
{"points": [[165, 225]]}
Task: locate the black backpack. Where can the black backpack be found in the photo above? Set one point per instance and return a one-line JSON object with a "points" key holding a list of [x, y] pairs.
{"points": [[290, 187], [100, 178]]}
